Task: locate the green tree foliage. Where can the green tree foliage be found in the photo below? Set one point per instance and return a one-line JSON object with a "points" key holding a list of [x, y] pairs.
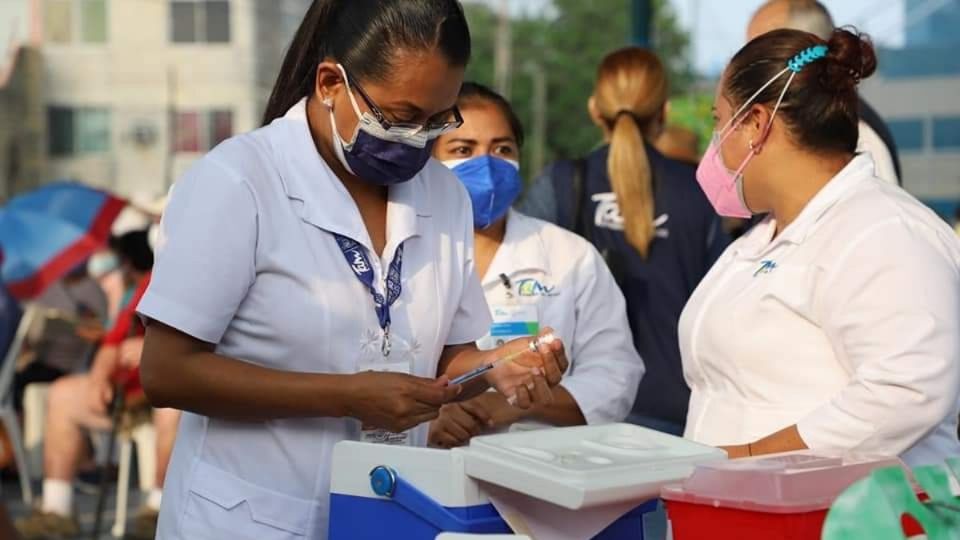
{"points": [[569, 41]]}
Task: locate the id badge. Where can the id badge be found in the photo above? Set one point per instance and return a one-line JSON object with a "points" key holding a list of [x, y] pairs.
{"points": [[511, 321], [381, 436]]}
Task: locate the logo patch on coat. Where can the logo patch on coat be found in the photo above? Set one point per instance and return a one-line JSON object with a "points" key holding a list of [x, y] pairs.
{"points": [[608, 216], [533, 287]]}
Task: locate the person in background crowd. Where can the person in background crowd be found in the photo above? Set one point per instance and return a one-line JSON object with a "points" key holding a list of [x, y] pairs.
{"points": [[340, 297], [679, 143], [76, 310], [812, 16], [78, 403], [104, 268], [534, 273], [646, 216], [832, 324]]}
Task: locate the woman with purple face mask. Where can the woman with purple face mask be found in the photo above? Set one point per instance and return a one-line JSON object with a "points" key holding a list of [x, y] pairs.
{"points": [[315, 282], [833, 323]]}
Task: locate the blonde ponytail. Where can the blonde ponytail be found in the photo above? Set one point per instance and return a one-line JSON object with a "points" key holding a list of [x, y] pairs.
{"points": [[629, 96], [632, 181]]}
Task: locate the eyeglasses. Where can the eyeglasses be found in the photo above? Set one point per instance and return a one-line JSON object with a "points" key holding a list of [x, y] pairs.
{"points": [[432, 129]]}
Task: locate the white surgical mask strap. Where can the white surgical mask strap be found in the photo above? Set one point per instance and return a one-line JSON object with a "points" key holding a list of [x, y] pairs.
{"points": [[353, 99], [779, 101], [749, 100]]}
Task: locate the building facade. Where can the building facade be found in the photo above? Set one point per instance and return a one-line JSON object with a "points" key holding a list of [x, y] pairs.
{"points": [[136, 90], [23, 121], [917, 89]]}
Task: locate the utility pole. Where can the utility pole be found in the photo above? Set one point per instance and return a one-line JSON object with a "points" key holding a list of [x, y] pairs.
{"points": [[502, 50], [641, 22]]}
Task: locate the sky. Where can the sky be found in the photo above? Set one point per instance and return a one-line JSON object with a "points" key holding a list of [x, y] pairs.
{"points": [[716, 26]]}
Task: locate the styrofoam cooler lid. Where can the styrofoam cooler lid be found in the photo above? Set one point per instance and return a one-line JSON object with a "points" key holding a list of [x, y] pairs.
{"points": [[586, 466], [792, 482]]}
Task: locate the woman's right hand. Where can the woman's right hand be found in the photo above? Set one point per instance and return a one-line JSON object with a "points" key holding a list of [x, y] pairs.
{"points": [[396, 402]]}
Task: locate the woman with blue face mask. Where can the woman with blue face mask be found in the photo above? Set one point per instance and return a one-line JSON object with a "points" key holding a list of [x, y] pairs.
{"points": [[316, 279], [534, 274]]}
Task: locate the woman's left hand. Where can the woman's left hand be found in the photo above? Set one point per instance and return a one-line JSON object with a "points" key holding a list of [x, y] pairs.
{"points": [[527, 379], [459, 422]]}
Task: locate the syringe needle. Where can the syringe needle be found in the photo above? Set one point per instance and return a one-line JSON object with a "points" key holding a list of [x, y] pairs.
{"points": [[476, 372]]}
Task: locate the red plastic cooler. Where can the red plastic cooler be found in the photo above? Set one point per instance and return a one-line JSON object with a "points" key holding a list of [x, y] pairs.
{"points": [[782, 496]]}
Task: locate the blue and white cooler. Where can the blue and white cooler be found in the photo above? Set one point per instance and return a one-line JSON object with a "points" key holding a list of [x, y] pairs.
{"points": [[598, 482]]}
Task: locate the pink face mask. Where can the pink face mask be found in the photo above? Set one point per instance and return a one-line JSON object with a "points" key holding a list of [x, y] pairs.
{"points": [[723, 187]]}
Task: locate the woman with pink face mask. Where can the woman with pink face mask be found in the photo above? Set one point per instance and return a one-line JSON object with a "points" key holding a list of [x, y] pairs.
{"points": [[834, 322]]}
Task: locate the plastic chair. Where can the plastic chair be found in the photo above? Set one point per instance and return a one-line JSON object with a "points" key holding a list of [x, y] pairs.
{"points": [[8, 414], [132, 419], [34, 420], [144, 436]]}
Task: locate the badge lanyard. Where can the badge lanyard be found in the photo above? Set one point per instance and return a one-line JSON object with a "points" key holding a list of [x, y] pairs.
{"points": [[357, 259]]}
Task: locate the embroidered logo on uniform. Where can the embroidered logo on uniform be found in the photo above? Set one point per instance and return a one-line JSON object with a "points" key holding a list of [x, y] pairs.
{"points": [[608, 216], [659, 226], [359, 264], [532, 287], [766, 267]]}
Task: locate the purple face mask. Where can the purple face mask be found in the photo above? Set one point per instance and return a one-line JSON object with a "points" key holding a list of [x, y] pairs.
{"points": [[379, 155]]}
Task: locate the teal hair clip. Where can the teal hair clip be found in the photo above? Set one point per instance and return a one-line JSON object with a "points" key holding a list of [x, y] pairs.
{"points": [[806, 56]]}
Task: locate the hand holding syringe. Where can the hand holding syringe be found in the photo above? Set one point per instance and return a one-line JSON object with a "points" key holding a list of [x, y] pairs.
{"points": [[533, 347], [524, 383]]}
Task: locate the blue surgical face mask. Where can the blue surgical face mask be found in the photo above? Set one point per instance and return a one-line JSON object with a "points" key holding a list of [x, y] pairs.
{"points": [[493, 184], [377, 155]]}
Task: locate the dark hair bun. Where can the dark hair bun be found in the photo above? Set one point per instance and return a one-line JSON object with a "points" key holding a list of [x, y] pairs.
{"points": [[850, 59]]}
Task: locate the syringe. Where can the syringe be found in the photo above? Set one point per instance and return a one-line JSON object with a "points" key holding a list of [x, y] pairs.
{"points": [[545, 339]]}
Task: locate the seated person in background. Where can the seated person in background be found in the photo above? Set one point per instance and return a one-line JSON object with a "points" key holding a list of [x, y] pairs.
{"points": [[76, 311], [532, 272], [79, 403]]}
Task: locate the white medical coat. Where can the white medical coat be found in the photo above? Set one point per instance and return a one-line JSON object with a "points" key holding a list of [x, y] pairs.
{"points": [[574, 292], [847, 325], [247, 261]]}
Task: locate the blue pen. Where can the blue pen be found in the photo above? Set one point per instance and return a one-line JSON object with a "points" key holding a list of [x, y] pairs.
{"points": [[476, 372]]}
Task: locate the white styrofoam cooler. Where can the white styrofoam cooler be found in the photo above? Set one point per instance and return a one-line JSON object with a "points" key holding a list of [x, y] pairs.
{"points": [[577, 468], [441, 474], [586, 466]]}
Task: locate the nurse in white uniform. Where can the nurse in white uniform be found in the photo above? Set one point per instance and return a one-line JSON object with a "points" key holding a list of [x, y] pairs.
{"points": [[315, 279], [835, 322], [535, 274]]}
